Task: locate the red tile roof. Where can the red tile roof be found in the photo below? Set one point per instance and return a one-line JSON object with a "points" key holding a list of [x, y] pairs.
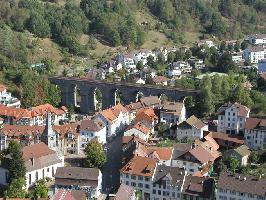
{"points": [[140, 166], [112, 113], [36, 151], [255, 123], [161, 153], [159, 79], [146, 114]]}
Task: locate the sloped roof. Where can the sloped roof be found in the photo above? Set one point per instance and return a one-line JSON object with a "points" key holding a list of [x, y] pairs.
{"points": [[111, 114], [91, 125], [36, 151], [242, 183], [255, 123], [124, 192], [145, 114], [163, 153], [141, 166], [150, 101], [141, 127], [173, 107], [192, 121], [242, 110], [202, 155], [242, 150]]}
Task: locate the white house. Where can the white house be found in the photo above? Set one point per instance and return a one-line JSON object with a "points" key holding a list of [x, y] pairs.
{"points": [[139, 130], [191, 128], [254, 54], [172, 113], [173, 71], [239, 186], [91, 129], [257, 39], [208, 43], [160, 80], [129, 62], [78, 178], [241, 153], [262, 66], [139, 81], [7, 99], [40, 162], [232, 118], [237, 57], [115, 119], [143, 55], [255, 133]]}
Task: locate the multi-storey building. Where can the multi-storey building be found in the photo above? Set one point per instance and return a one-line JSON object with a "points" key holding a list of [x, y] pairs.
{"points": [[154, 181], [232, 118], [255, 133], [237, 186], [257, 39], [192, 128], [78, 178], [172, 113], [92, 129], [254, 54]]}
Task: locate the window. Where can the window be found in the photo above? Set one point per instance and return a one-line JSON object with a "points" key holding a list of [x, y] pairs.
{"points": [[133, 184], [140, 185], [29, 179], [153, 191], [173, 194], [133, 177], [127, 183], [250, 195], [147, 179], [36, 176], [43, 173], [140, 178], [127, 176], [164, 193], [228, 113], [147, 186], [228, 124], [48, 169], [228, 118], [159, 192]]}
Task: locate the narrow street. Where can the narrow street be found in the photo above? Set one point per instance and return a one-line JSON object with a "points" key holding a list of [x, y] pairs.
{"points": [[111, 175]]}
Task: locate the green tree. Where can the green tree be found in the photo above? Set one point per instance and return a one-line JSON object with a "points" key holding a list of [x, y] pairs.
{"points": [[95, 156], [188, 54], [160, 59], [225, 64], [38, 25], [244, 45], [170, 57], [179, 55], [233, 163], [140, 65], [16, 166], [40, 190], [237, 46], [150, 61], [241, 95], [254, 157], [16, 189]]}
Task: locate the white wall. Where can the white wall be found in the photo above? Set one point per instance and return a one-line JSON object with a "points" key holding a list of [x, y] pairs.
{"points": [[87, 136], [190, 133], [227, 195]]}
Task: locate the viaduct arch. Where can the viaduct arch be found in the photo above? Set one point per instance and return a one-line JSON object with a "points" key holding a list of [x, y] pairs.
{"points": [[129, 92]]}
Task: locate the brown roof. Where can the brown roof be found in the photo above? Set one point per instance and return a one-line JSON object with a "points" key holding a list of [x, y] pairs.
{"points": [[192, 121], [198, 186], [111, 114], [141, 127], [202, 155], [173, 107], [226, 137], [145, 114], [127, 139], [134, 106], [242, 110], [36, 151], [77, 173], [91, 125], [242, 183], [150, 101], [62, 194], [161, 153], [255, 123], [124, 192], [141, 166], [159, 79]]}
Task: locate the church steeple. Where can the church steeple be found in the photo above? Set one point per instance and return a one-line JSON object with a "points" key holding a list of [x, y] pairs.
{"points": [[49, 137]]}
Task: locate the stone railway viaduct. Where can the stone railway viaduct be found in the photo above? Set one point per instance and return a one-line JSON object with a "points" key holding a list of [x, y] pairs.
{"points": [[109, 90]]}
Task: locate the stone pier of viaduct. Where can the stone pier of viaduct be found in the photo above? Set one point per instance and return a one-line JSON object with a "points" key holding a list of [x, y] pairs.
{"points": [[129, 92]]}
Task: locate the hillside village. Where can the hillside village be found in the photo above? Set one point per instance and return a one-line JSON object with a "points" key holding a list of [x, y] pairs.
{"points": [[153, 148]]}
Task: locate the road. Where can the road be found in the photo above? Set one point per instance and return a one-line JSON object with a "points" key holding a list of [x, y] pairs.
{"points": [[111, 175]]}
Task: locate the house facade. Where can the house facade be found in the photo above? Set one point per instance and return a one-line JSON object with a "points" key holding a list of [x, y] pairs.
{"points": [[255, 133], [238, 186], [254, 54], [257, 39], [232, 118], [78, 178], [191, 128], [172, 113], [7, 99], [40, 162]]}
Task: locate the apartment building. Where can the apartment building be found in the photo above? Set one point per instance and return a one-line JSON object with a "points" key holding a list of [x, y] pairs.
{"points": [[172, 113], [232, 118], [154, 181], [254, 54], [255, 133], [257, 39], [237, 186]]}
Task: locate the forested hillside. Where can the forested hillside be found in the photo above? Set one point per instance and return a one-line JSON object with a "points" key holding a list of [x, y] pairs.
{"points": [[55, 32]]}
